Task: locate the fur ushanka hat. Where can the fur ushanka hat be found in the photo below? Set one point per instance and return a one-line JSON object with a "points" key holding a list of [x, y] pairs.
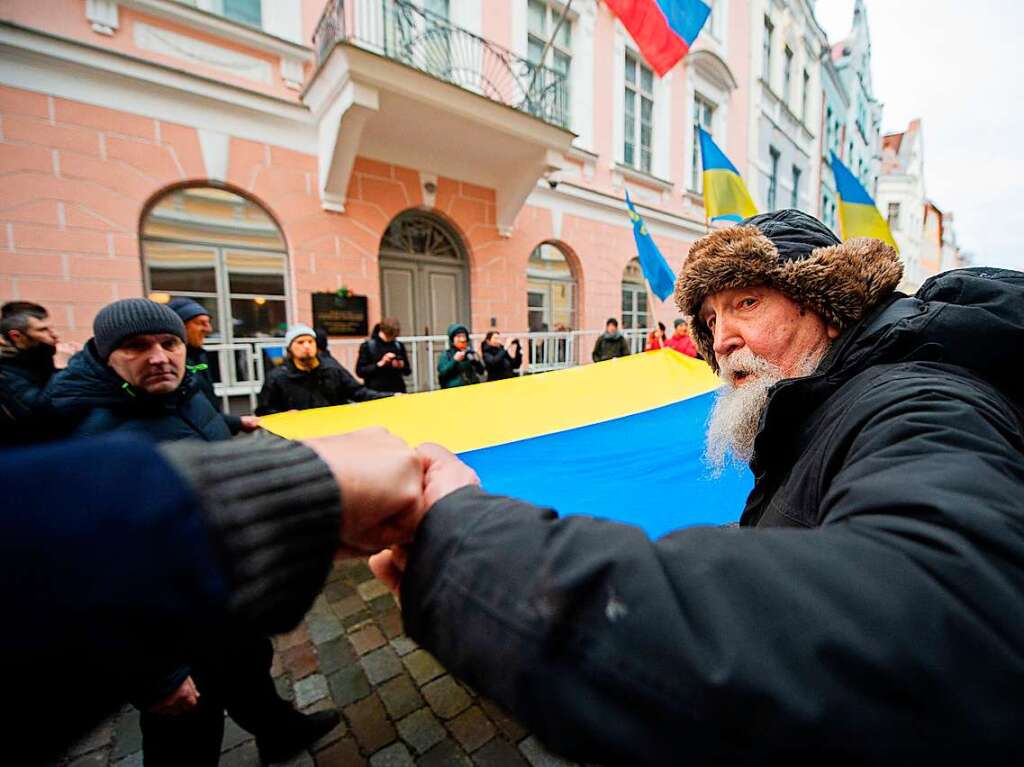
{"points": [[796, 254]]}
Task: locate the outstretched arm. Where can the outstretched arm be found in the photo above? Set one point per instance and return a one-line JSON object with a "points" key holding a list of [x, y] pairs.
{"points": [[889, 633]]}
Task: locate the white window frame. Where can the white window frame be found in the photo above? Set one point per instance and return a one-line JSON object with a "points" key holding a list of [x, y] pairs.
{"points": [[701, 106], [636, 127], [576, 97], [633, 290], [217, 7]]}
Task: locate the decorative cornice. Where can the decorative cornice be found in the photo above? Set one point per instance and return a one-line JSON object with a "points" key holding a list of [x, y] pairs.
{"points": [[103, 15]]}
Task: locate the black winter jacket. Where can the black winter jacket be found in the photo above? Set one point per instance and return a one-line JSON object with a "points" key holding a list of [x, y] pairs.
{"points": [[867, 611], [288, 388], [387, 378], [23, 377], [499, 363], [92, 399], [607, 347], [198, 362]]}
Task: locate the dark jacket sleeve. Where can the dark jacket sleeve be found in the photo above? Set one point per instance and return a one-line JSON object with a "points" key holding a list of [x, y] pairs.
{"points": [[107, 569], [20, 399], [447, 369], [366, 365], [892, 632], [407, 369], [348, 389], [233, 422], [271, 399], [624, 346], [596, 354], [492, 358], [118, 556]]}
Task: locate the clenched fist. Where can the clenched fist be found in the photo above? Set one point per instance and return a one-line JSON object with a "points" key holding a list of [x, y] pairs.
{"points": [[381, 480]]}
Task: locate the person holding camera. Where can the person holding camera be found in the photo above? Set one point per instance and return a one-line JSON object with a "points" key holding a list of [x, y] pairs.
{"points": [[500, 362], [459, 364], [383, 363]]}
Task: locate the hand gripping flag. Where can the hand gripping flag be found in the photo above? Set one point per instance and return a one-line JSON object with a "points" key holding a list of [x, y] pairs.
{"points": [[656, 269], [725, 195], [858, 216], [663, 30]]}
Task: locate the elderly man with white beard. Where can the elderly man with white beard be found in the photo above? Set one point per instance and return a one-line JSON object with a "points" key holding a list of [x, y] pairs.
{"points": [[866, 610]]}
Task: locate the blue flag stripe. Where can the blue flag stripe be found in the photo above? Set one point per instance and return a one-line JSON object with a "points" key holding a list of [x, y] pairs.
{"points": [[847, 185]]}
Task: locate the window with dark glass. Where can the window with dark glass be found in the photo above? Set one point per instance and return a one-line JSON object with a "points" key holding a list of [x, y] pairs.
{"points": [[225, 252], [766, 51]]}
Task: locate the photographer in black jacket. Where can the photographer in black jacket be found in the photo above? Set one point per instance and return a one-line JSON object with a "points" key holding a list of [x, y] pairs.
{"points": [[500, 362], [383, 363]]}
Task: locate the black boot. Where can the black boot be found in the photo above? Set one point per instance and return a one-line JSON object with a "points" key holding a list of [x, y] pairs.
{"points": [[297, 732]]}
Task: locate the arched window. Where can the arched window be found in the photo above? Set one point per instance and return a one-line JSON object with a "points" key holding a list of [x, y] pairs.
{"points": [[634, 297], [227, 253], [550, 290]]}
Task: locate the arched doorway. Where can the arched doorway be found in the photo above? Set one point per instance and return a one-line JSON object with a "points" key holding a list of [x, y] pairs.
{"points": [[634, 297], [423, 274], [227, 253], [424, 280]]}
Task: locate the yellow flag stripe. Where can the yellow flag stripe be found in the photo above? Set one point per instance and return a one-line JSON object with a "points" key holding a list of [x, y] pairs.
{"points": [[484, 415], [725, 194], [858, 220]]}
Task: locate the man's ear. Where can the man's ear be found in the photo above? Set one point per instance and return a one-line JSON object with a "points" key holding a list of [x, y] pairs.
{"points": [[833, 332]]}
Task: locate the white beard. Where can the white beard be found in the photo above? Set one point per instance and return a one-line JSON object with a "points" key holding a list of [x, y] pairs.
{"points": [[736, 416]]}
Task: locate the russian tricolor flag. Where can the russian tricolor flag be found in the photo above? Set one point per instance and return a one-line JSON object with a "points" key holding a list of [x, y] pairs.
{"points": [[663, 30]]}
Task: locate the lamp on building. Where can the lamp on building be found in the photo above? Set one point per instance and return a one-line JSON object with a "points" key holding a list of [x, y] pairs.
{"points": [[259, 300], [160, 298]]}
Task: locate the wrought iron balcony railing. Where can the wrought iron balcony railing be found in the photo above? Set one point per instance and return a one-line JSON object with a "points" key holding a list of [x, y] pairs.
{"points": [[400, 31]]}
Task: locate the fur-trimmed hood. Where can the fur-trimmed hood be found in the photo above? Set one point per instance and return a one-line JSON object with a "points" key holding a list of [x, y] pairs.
{"points": [[792, 252]]}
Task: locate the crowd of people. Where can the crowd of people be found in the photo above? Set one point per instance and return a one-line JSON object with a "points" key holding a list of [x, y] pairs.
{"points": [[864, 610], [146, 370]]}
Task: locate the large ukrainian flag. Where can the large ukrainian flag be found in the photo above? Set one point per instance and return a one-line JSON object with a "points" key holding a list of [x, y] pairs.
{"points": [[858, 215], [725, 195], [621, 439]]}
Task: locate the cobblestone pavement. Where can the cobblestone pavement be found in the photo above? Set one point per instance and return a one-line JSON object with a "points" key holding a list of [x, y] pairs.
{"points": [[399, 706]]}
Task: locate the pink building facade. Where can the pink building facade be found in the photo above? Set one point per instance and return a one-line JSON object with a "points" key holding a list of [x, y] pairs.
{"points": [[416, 153]]}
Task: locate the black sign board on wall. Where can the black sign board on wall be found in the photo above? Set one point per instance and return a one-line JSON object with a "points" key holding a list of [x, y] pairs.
{"points": [[341, 316]]}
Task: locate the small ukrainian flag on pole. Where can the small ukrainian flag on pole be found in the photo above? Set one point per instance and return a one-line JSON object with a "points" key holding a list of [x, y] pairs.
{"points": [[858, 215], [659, 274], [725, 195]]}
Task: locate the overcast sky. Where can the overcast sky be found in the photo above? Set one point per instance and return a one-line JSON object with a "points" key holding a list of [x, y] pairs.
{"points": [[957, 66]]}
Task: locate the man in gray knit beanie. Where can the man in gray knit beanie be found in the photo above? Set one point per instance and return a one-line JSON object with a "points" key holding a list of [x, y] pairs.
{"points": [[133, 317]]}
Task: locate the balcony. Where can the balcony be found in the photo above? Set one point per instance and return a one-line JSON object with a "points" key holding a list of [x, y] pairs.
{"points": [[402, 85]]}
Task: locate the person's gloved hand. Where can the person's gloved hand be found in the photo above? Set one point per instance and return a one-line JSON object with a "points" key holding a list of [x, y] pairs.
{"points": [[381, 480]]}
